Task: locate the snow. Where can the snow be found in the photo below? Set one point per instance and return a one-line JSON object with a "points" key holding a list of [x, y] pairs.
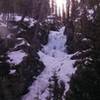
{"points": [[90, 14], [77, 19], [32, 22], [23, 42], [50, 16], [18, 18], [12, 71], [20, 44], [16, 57], [50, 19], [90, 17], [78, 33], [19, 38], [56, 61], [3, 24], [91, 11], [86, 39], [9, 36]]}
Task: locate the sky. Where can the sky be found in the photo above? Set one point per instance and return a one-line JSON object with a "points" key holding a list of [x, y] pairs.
{"points": [[61, 6]]}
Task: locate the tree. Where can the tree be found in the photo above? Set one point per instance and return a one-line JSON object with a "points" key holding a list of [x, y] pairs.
{"points": [[41, 9], [85, 84]]}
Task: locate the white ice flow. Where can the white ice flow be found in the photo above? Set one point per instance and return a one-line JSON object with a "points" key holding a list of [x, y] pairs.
{"points": [[56, 61]]}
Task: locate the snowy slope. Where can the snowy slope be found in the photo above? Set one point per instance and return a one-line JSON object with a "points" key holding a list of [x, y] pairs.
{"points": [[56, 61]]}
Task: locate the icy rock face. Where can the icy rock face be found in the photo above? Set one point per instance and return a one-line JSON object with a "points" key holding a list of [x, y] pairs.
{"points": [[56, 61]]}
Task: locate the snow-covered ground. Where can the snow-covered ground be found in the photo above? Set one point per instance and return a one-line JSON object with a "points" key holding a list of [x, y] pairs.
{"points": [[56, 61], [16, 57]]}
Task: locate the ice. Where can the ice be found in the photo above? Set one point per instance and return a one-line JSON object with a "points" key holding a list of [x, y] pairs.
{"points": [[56, 61]]}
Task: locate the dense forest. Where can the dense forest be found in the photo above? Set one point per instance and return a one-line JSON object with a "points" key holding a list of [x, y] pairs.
{"points": [[39, 36]]}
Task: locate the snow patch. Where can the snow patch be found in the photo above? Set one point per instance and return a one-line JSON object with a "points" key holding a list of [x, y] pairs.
{"points": [[12, 71], [18, 18], [91, 11], [16, 57]]}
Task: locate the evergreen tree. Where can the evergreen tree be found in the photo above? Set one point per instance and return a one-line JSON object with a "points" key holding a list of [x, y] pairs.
{"points": [[85, 84]]}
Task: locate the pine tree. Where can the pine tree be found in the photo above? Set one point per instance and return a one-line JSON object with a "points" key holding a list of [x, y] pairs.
{"points": [[85, 84], [56, 88]]}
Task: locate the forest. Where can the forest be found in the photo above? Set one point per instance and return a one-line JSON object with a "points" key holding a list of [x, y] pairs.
{"points": [[49, 49]]}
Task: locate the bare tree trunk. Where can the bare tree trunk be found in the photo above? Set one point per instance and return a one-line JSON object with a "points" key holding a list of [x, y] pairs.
{"points": [[68, 9]]}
